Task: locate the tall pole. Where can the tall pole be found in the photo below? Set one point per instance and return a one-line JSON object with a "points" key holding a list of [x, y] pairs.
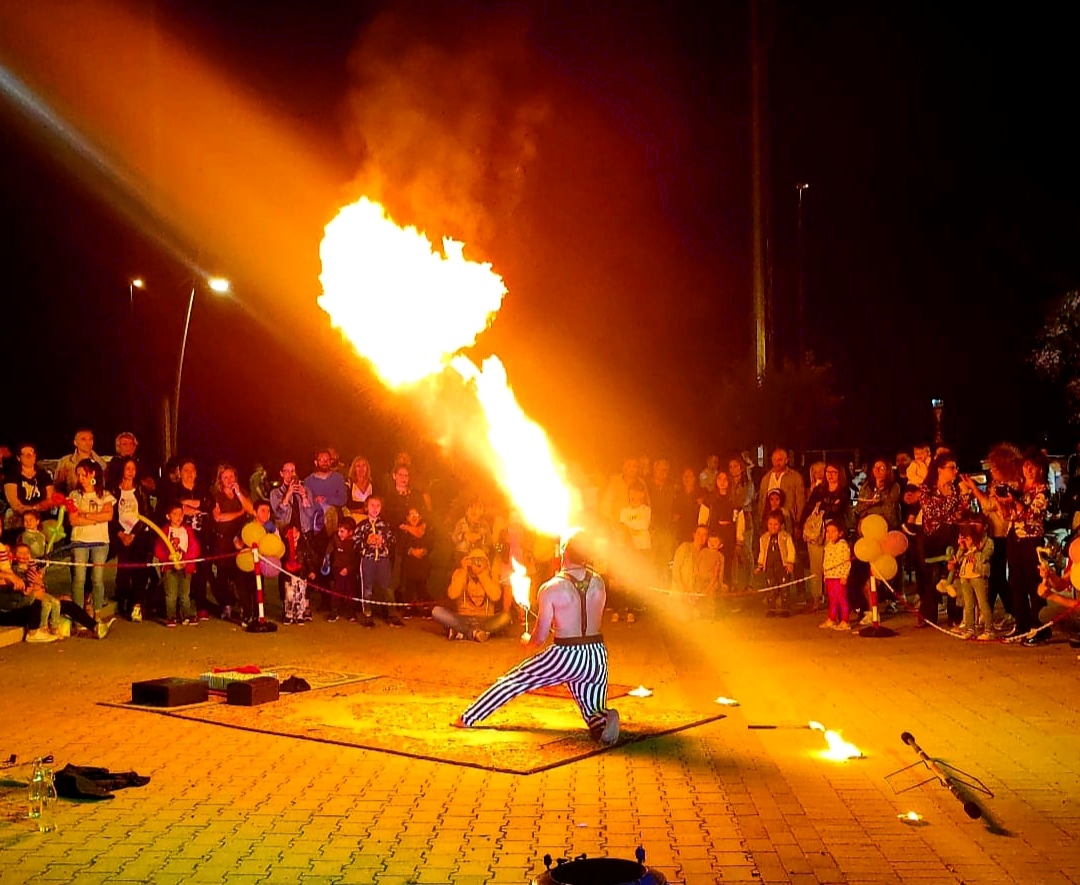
{"points": [[759, 215], [801, 259], [180, 374]]}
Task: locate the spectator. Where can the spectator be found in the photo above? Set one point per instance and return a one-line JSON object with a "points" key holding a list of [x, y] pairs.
{"points": [[1062, 604], [943, 508], [65, 479], [377, 541], [126, 446], [1026, 528], [636, 522], [292, 503], [27, 487], [19, 608], [726, 520], [176, 575], [687, 512], [344, 569], [327, 488], [516, 544], [836, 566], [230, 505], [776, 564], [415, 560], [697, 569], [189, 491], [31, 535], [661, 493], [616, 493], [130, 540], [774, 503], [880, 494], [995, 502], [707, 477], [476, 594], [790, 482], [972, 564], [472, 530], [828, 502], [359, 487], [93, 510]]}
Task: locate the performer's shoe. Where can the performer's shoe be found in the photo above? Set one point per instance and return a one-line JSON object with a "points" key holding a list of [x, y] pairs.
{"points": [[459, 723], [368, 621], [610, 734], [481, 635]]}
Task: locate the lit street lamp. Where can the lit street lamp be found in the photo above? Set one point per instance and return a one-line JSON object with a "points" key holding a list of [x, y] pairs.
{"points": [[133, 284], [220, 286], [938, 405]]}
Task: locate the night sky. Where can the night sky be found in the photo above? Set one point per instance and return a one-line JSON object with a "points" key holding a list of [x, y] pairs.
{"points": [[598, 154]]}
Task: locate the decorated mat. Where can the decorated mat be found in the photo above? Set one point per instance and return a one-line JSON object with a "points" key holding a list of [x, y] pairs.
{"points": [[411, 718]]}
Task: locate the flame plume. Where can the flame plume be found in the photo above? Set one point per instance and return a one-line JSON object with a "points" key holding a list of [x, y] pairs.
{"points": [[410, 311]]}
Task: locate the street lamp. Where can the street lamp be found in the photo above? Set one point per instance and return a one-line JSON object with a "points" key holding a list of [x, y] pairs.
{"points": [[938, 405], [133, 284], [801, 280], [220, 286]]}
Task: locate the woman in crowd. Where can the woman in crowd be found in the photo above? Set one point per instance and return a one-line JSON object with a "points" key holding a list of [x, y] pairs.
{"points": [[129, 536], [828, 501], [359, 487], [191, 492], [742, 490], [1029, 503], [726, 521], [1006, 475], [230, 506], [26, 487], [943, 508], [93, 509], [687, 508], [880, 494]]}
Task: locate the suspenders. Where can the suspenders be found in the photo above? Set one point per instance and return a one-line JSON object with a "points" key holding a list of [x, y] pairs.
{"points": [[582, 588]]}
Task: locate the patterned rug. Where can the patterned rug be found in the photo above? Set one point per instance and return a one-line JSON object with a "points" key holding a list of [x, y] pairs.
{"points": [[411, 718]]}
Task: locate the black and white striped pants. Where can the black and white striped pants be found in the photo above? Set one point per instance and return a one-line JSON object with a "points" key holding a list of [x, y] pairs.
{"points": [[583, 668]]}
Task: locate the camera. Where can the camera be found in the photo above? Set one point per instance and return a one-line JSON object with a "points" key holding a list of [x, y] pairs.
{"points": [[1003, 490]]}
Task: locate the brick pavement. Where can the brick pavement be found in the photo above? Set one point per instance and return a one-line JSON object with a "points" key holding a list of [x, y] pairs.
{"points": [[716, 804]]}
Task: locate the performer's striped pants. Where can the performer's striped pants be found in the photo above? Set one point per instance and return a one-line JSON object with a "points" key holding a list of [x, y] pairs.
{"points": [[582, 666]]}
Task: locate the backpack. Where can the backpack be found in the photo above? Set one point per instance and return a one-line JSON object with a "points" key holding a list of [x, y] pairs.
{"points": [[814, 527]]}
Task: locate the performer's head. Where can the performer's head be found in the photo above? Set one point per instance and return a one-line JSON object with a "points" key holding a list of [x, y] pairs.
{"points": [[578, 550]]}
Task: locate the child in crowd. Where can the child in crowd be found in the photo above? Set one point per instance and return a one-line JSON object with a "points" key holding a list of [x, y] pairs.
{"points": [[299, 569], [33, 577], [776, 564], [176, 576], [344, 562], [972, 565], [472, 530], [416, 562], [32, 536], [375, 541], [774, 503], [635, 522], [836, 565]]}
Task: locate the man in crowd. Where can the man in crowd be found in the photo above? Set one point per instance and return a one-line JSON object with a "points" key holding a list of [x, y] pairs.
{"points": [[64, 480], [126, 446], [788, 481], [571, 605], [476, 593], [329, 492]]}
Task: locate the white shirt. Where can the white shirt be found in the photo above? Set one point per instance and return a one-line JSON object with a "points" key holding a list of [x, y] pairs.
{"points": [[98, 532], [127, 510]]}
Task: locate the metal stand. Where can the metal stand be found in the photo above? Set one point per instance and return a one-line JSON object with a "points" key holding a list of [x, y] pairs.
{"points": [[952, 779], [259, 624], [875, 630]]}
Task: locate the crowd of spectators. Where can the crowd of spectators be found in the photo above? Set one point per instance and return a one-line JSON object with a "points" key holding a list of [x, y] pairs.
{"points": [[369, 547]]}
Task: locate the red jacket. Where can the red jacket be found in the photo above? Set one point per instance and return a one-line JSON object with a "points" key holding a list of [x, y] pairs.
{"points": [[163, 554]]}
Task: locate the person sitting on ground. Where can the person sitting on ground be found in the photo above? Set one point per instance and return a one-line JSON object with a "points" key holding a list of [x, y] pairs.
{"points": [[516, 544], [697, 570], [475, 593], [19, 608], [33, 577], [176, 571], [31, 535], [776, 564], [1062, 605]]}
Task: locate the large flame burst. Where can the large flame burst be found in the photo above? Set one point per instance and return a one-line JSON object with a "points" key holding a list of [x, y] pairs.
{"points": [[410, 311]]}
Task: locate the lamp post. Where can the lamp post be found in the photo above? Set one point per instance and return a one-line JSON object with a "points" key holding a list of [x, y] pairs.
{"points": [[133, 284], [221, 286], [938, 405], [801, 280]]}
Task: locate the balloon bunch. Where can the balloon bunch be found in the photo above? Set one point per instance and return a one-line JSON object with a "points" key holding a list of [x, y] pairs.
{"points": [[54, 528], [880, 547], [255, 535]]}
